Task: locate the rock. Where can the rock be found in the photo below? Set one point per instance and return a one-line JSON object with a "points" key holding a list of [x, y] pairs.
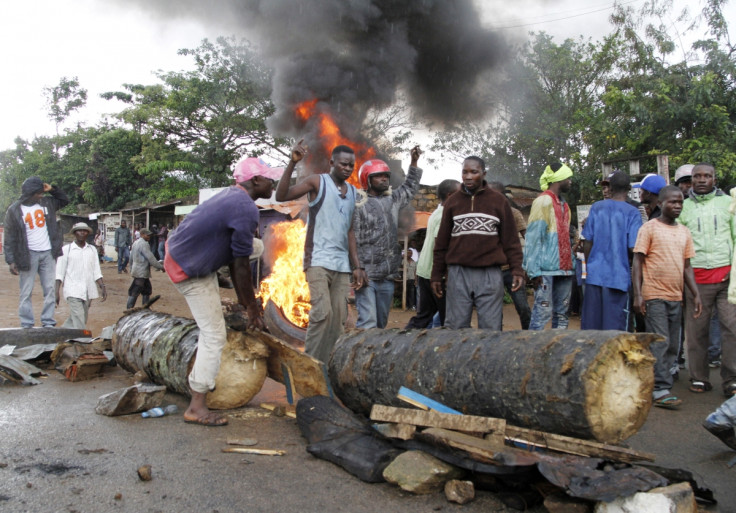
{"points": [[677, 498], [133, 399], [560, 503], [459, 491], [418, 472], [144, 473]]}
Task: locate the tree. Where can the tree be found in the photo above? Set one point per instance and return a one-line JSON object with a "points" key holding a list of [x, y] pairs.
{"points": [[63, 99]]}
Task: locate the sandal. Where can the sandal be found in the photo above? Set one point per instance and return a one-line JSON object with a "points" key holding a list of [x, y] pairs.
{"points": [[698, 387], [668, 402]]}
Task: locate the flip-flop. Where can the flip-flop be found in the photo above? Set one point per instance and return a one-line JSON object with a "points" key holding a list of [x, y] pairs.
{"points": [[208, 421], [699, 387], [668, 402]]}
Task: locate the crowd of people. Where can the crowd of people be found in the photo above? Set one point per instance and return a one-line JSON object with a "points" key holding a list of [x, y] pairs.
{"points": [[675, 248]]}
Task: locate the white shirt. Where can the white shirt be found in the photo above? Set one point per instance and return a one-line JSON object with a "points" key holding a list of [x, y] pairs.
{"points": [[37, 234], [79, 269]]}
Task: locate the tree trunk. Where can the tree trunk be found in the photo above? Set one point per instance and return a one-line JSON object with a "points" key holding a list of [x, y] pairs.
{"points": [[588, 384], [165, 347]]}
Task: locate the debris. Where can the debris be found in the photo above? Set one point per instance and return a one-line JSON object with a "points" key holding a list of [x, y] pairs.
{"points": [[144, 472], [336, 434], [118, 496], [400, 431], [283, 410], [588, 384], [6, 350], [92, 451], [78, 362], [17, 371], [129, 400], [677, 498], [479, 448], [242, 441], [423, 402], [169, 409], [22, 337], [264, 452], [420, 473], [561, 503], [33, 352], [281, 327], [458, 491], [164, 347]]}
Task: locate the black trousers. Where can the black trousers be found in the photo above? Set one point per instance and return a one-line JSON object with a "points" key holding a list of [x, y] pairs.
{"points": [[429, 304]]}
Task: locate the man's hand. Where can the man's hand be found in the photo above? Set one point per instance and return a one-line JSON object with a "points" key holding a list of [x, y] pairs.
{"points": [[47, 187], [698, 307], [14, 269], [58, 296], [415, 153], [255, 318], [640, 306], [537, 282], [516, 283], [298, 151], [437, 288], [360, 279], [104, 294]]}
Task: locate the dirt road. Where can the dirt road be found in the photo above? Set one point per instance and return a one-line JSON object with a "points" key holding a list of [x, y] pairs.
{"points": [[56, 454]]}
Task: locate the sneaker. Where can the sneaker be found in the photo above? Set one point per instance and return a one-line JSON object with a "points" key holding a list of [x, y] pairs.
{"points": [[714, 364], [723, 432]]}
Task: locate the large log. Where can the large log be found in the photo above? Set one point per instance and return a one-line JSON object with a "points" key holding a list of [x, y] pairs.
{"points": [[165, 347], [587, 384]]}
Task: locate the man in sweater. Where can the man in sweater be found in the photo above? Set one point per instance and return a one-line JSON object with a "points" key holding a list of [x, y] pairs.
{"points": [[376, 227], [32, 245], [477, 237], [141, 261], [548, 259], [706, 213], [78, 270]]}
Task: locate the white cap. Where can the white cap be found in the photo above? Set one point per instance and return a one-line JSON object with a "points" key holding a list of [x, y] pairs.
{"points": [[684, 171]]}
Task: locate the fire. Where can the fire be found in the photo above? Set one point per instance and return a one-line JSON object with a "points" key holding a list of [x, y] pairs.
{"points": [[287, 285], [331, 136]]}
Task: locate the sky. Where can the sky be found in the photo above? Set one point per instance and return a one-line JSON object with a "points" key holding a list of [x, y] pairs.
{"points": [[108, 43]]}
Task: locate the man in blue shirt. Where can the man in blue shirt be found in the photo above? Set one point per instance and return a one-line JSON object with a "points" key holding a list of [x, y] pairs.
{"points": [[610, 235], [218, 232]]}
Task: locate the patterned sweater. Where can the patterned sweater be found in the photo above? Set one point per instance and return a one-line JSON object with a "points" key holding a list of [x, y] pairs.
{"points": [[477, 230]]}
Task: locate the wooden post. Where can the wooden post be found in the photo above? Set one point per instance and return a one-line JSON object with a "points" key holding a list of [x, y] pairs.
{"points": [[663, 167], [403, 278]]}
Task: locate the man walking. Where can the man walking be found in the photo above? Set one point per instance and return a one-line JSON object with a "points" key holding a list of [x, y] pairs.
{"points": [[123, 243], [477, 236], [429, 304], [330, 250], [706, 213], [548, 258], [141, 261], [218, 232], [661, 267], [376, 227], [78, 270], [32, 245], [610, 235]]}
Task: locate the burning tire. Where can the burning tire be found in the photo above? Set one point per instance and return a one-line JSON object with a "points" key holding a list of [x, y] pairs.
{"points": [[283, 328]]}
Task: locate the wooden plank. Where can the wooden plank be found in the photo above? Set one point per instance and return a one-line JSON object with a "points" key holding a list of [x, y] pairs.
{"points": [[479, 448], [308, 376], [423, 402], [381, 413], [576, 446], [400, 431]]}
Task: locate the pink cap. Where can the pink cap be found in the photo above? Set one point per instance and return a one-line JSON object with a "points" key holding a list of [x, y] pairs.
{"points": [[253, 166]]}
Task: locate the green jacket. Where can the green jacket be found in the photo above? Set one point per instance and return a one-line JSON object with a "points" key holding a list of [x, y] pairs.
{"points": [[712, 226]]}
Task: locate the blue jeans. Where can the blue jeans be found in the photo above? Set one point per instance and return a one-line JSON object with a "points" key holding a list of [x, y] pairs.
{"points": [[663, 318], [43, 264], [123, 257], [551, 301], [521, 303], [161, 249], [374, 303]]}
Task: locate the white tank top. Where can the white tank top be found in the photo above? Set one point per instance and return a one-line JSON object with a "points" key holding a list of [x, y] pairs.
{"points": [[34, 218]]}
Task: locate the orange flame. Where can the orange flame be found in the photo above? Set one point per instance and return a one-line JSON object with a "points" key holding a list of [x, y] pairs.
{"points": [[331, 136], [287, 285]]}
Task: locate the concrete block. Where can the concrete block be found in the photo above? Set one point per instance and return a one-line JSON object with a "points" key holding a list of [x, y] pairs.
{"points": [[133, 399], [676, 498], [420, 473], [459, 491]]}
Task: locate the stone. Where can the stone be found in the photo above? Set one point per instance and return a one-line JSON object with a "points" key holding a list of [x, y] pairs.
{"points": [[133, 399], [144, 473], [420, 473], [561, 503], [676, 498], [459, 491]]}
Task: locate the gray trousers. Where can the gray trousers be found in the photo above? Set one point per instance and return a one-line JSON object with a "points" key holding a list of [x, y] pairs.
{"points": [[713, 296], [328, 292], [663, 318], [78, 310], [481, 287]]}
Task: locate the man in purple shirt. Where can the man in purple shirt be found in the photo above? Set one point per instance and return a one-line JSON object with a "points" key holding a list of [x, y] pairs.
{"points": [[218, 232]]}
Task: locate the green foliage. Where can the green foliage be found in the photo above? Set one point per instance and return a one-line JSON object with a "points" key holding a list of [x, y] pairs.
{"points": [[63, 99]]}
